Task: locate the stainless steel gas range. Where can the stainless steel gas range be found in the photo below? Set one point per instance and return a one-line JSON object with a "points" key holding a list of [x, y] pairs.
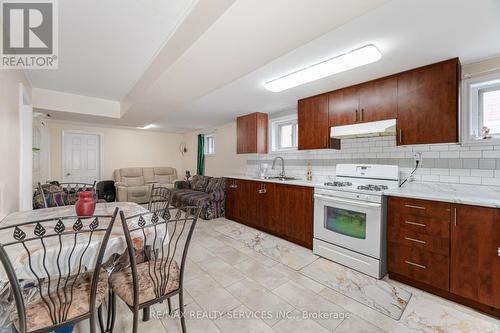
{"points": [[349, 217]]}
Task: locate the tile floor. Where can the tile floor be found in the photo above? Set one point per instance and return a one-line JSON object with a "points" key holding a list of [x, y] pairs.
{"points": [[233, 285]]}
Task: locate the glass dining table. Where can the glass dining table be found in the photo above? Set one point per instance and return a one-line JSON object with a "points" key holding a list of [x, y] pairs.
{"points": [[116, 246]]}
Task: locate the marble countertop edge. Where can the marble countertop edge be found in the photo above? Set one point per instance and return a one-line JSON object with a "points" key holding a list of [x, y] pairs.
{"points": [[466, 194], [297, 182], [476, 195]]}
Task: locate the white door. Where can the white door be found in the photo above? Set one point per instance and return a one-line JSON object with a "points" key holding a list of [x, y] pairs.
{"points": [[81, 158]]}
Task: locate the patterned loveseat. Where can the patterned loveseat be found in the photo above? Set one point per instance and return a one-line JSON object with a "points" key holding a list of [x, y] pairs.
{"points": [[209, 192]]}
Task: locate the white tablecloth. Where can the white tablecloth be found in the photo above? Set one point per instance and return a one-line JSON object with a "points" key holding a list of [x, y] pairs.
{"points": [[116, 243]]}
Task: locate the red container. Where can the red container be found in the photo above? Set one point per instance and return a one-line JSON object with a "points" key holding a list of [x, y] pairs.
{"points": [[85, 205]]}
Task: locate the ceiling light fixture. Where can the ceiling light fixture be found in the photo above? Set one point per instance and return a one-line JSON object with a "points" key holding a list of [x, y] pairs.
{"points": [[147, 126], [355, 58]]}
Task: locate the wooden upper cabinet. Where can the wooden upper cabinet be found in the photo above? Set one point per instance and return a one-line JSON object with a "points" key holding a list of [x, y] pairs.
{"points": [[343, 106], [251, 133], [378, 100], [475, 256], [428, 104], [313, 127], [371, 101]]}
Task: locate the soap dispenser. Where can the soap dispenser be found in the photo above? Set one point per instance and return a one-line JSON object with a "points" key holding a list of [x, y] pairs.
{"points": [[309, 173]]}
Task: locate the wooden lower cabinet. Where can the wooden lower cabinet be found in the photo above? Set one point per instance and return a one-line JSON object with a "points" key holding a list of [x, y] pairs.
{"points": [[279, 209], [447, 249], [293, 213], [475, 259]]}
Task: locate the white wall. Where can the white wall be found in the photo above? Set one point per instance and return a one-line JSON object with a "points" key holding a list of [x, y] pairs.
{"points": [[10, 139], [121, 148], [225, 162], [41, 158]]}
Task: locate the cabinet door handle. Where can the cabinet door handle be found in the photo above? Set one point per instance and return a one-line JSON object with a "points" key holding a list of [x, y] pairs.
{"points": [[416, 207], [362, 114], [400, 136], [414, 264], [356, 114], [455, 216], [415, 240], [415, 223]]}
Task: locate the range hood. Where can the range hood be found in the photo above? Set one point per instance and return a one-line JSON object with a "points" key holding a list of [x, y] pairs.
{"points": [[364, 130]]}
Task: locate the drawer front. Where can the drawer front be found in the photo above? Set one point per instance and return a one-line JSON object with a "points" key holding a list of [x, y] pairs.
{"points": [[424, 208], [427, 234], [427, 267]]}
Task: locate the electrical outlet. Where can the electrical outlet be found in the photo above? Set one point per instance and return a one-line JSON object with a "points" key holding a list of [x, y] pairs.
{"points": [[418, 158]]}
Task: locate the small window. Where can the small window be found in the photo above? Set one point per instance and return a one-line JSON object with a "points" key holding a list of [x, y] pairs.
{"points": [[481, 109], [284, 133], [209, 144], [489, 109]]}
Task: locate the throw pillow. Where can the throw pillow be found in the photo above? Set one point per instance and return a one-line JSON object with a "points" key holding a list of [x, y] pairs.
{"points": [[199, 183]]}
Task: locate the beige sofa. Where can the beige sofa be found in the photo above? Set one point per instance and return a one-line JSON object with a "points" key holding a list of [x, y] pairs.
{"points": [[134, 184]]}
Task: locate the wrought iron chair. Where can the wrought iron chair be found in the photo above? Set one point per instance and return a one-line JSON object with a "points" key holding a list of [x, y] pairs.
{"points": [[63, 281], [157, 264], [160, 200], [66, 195]]}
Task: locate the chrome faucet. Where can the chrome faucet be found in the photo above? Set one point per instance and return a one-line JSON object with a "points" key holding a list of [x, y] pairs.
{"points": [[282, 173]]}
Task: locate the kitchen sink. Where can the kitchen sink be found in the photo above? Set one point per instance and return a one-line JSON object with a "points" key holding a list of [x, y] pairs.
{"points": [[277, 178], [284, 178]]}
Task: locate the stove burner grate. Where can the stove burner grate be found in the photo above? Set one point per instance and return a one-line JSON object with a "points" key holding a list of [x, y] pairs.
{"points": [[371, 187], [338, 184]]}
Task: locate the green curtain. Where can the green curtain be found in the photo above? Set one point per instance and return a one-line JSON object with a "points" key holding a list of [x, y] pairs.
{"points": [[200, 166]]}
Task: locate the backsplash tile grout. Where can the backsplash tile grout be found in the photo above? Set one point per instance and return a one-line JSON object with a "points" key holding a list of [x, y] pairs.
{"points": [[447, 163]]}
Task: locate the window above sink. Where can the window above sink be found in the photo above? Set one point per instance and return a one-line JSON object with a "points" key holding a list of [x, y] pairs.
{"points": [[481, 110]]}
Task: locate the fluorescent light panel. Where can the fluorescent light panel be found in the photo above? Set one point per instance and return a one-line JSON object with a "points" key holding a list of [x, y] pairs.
{"points": [[147, 126], [356, 58]]}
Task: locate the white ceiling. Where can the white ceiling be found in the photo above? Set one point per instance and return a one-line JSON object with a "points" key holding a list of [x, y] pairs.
{"points": [[105, 46], [408, 33], [221, 74]]}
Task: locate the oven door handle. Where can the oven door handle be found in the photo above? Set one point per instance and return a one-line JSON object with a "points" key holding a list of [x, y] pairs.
{"points": [[346, 201]]}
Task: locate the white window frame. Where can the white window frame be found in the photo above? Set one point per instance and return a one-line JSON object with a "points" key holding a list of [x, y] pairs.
{"points": [[275, 126], [205, 145], [470, 109]]}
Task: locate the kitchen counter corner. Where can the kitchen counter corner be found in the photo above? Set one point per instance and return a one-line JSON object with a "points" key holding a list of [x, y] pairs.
{"points": [[477, 195]]}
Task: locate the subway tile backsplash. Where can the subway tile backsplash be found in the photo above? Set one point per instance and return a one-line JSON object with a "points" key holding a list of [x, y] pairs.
{"points": [[447, 163]]}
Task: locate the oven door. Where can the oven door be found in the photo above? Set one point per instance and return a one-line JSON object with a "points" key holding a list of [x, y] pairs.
{"points": [[355, 225]]}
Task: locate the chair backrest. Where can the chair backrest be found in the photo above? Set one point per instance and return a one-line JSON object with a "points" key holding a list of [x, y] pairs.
{"points": [[130, 176], [52, 257], [71, 191], [64, 194], [159, 200], [164, 246], [165, 175]]}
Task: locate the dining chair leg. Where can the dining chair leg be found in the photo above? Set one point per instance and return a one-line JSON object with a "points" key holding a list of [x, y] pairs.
{"points": [[135, 322], [92, 322], [111, 314], [146, 314], [99, 319], [169, 307], [181, 311]]}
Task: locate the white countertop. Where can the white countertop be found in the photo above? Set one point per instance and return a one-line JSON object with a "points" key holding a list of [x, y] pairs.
{"points": [[298, 182], [478, 195]]}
